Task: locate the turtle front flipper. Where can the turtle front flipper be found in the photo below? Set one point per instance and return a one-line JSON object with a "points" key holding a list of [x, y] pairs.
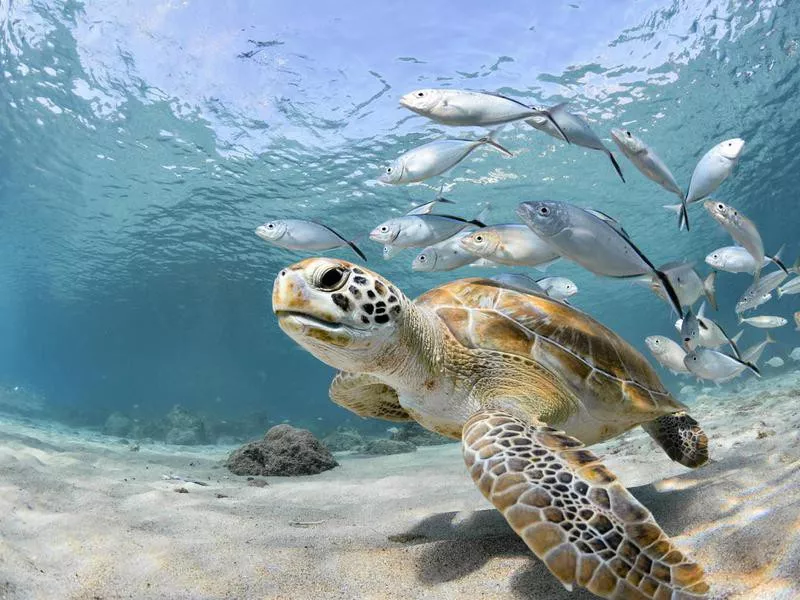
{"points": [[681, 437], [573, 513], [367, 396]]}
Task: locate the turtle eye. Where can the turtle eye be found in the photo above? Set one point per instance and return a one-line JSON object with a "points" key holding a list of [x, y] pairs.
{"points": [[544, 211], [332, 279]]}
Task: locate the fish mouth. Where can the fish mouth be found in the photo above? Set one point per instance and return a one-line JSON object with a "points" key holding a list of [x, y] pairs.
{"points": [[307, 319]]}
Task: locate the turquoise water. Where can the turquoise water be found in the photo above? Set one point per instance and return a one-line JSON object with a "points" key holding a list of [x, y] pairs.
{"points": [[142, 144]]}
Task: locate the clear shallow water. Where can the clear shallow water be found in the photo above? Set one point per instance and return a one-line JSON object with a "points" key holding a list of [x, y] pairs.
{"points": [[142, 144]]}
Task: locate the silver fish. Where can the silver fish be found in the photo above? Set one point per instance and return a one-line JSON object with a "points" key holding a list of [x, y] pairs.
{"points": [[754, 295], [511, 244], [775, 361], [687, 283], [712, 169], [647, 161], [297, 234], [795, 354], [735, 259], [598, 244], [764, 321], [390, 252], [741, 229], [701, 331], [521, 282], [558, 288], [797, 320], [668, 353], [571, 128], [465, 108], [753, 354], [444, 256], [790, 287], [706, 363], [433, 158], [419, 231]]}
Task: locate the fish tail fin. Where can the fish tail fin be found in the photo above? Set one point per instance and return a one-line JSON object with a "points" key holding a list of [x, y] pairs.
{"points": [[491, 139], [753, 368], [673, 297], [683, 216], [482, 216], [357, 250], [676, 208], [735, 339], [710, 289], [616, 166], [777, 260], [770, 339]]}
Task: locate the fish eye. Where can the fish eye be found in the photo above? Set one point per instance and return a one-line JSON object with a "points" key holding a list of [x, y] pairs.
{"points": [[388, 169], [332, 279], [270, 225], [479, 238], [544, 211], [421, 258], [628, 133], [721, 206], [420, 94], [384, 229]]}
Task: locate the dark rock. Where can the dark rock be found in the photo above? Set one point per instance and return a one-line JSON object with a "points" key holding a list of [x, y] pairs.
{"points": [[284, 450], [388, 447], [182, 490], [419, 436], [343, 439], [118, 424], [184, 428]]}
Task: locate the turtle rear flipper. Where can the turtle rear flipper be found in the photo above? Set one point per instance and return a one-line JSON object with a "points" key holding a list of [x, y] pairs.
{"points": [[681, 437], [573, 513]]}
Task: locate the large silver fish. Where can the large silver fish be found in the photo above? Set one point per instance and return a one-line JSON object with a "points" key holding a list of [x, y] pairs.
{"points": [[558, 288], [706, 363], [667, 352], [419, 231], [389, 251], [741, 229], [510, 244], [465, 108], [444, 256], [593, 240], [754, 295], [699, 330], [433, 158], [712, 169], [297, 234], [687, 283], [735, 259], [573, 129], [647, 161]]}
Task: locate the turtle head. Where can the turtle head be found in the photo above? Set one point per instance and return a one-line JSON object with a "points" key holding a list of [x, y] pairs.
{"points": [[343, 314]]}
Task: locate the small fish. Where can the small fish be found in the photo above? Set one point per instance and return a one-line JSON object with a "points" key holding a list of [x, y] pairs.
{"points": [[712, 169], [563, 125], [511, 244], [297, 234], [390, 252], [795, 354], [753, 354], [558, 288], [764, 321], [754, 295], [701, 331], [668, 353], [465, 108], [706, 363], [735, 259], [687, 283], [741, 229], [797, 320], [775, 362], [598, 244], [433, 158], [521, 282], [647, 161], [790, 287], [444, 256], [419, 231]]}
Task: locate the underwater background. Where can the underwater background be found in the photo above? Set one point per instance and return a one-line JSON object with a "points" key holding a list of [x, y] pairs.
{"points": [[142, 143]]}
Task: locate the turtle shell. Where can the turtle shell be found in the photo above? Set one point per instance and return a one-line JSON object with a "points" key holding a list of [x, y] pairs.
{"points": [[608, 375]]}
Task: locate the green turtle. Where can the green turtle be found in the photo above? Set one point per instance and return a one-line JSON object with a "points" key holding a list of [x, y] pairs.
{"points": [[525, 382]]}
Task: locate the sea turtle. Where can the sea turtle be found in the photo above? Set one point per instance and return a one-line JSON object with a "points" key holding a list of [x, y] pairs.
{"points": [[525, 382]]}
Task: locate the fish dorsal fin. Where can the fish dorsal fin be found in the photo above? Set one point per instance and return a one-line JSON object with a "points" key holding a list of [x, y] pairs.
{"points": [[350, 243], [609, 220], [702, 312], [504, 97]]}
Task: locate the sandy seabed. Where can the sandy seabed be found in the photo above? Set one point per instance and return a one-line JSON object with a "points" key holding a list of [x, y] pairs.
{"points": [[84, 517]]}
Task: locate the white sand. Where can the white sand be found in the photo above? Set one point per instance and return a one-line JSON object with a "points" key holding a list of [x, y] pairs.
{"points": [[87, 518]]}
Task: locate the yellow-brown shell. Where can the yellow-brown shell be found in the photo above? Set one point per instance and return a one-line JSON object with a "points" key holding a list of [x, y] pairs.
{"points": [[605, 372]]}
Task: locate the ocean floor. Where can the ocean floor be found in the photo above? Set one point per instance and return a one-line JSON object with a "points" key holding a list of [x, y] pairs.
{"points": [[84, 517]]}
